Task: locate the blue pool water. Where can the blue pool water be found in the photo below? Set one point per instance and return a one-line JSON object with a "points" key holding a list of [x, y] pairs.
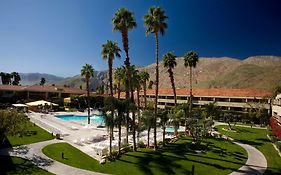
{"points": [[94, 118], [171, 130]]}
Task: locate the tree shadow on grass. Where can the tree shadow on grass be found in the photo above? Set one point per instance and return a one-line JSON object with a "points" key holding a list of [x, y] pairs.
{"points": [[250, 142]]}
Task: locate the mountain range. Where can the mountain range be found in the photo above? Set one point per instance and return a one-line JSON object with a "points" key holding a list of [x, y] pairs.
{"points": [[261, 72]]}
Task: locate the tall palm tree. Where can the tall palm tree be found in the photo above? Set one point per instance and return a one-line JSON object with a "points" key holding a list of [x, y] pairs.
{"points": [[164, 117], [118, 78], [155, 23], [110, 50], [148, 120], [87, 71], [169, 61], [124, 21], [144, 76], [190, 60]]}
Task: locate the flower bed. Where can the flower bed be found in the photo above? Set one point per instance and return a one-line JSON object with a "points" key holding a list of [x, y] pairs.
{"points": [[276, 127]]}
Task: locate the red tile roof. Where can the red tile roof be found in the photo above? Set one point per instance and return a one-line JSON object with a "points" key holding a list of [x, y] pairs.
{"points": [[38, 88], [224, 92], [229, 92], [11, 88]]}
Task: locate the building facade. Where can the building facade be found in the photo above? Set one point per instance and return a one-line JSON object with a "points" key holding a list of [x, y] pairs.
{"points": [[11, 93], [240, 100]]}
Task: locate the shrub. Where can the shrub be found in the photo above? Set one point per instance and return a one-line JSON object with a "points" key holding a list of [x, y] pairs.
{"points": [[278, 145], [141, 144], [273, 139], [126, 148]]}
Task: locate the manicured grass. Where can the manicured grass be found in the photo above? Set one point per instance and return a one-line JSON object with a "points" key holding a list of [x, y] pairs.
{"points": [[258, 139], [15, 165], [34, 134], [222, 157]]}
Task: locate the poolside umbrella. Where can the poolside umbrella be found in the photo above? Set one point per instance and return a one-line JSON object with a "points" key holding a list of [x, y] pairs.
{"points": [[41, 102]]}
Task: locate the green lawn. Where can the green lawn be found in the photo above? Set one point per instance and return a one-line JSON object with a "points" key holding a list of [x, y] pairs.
{"points": [[222, 158], [34, 134], [258, 139], [16, 165]]}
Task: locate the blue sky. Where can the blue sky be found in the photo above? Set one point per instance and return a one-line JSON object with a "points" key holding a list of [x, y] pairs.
{"points": [[60, 36]]}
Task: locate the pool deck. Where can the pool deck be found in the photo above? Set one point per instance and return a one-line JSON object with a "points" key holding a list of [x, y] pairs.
{"points": [[73, 132]]}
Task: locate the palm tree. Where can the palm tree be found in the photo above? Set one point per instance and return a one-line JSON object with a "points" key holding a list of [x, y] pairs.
{"points": [[118, 78], [190, 60], [110, 50], [120, 119], [155, 23], [144, 76], [42, 81], [123, 22], [87, 71], [169, 61]]}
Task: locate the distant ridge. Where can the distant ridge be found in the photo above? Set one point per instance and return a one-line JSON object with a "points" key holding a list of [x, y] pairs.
{"points": [[259, 72]]}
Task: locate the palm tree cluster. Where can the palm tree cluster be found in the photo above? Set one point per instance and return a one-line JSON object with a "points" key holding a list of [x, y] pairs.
{"points": [[128, 78], [10, 78]]}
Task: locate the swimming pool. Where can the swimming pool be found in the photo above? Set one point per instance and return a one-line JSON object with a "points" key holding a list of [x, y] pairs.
{"points": [[171, 130], [94, 118]]}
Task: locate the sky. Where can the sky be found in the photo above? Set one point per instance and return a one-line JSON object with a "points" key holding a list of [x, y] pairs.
{"points": [[60, 36]]}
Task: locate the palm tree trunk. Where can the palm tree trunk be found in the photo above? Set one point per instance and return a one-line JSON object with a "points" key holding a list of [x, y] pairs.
{"points": [[133, 123], [88, 99], [119, 136], [164, 132], [156, 90], [111, 133], [190, 97], [125, 42], [138, 127], [148, 135], [173, 85], [144, 93], [119, 91], [110, 76], [127, 127]]}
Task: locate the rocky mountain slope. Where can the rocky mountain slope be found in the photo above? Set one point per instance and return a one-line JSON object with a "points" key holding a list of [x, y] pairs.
{"points": [[262, 72]]}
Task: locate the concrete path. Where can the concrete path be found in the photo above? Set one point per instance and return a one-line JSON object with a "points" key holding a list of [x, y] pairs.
{"points": [[34, 153], [256, 163]]}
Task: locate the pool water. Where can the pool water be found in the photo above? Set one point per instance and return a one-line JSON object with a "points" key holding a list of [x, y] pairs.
{"points": [[94, 118], [171, 130]]}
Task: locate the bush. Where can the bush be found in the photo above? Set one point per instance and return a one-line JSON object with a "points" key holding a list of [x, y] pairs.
{"points": [[278, 145], [126, 148], [273, 139], [141, 144], [270, 133]]}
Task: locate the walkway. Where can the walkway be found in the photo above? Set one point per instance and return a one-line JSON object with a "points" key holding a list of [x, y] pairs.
{"points": [[34, 153], [256, 163]]}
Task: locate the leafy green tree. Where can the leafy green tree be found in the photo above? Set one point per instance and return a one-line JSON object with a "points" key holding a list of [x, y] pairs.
{"points": [[154, 22], [6, 78], [150, 84], [164, 117], [110, 50], [176, 114], [190, 60], [148, 120], [124, 21], [16, 77], [87, 71], [12, 123], [169, 61], [144, 77], [118, 78], [110, 104], [42, 81]]}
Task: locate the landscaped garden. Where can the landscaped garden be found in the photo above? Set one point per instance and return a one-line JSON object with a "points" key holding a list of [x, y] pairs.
{"points": [[25, 133], [219, 157], [258, 139], [16, 165]]}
